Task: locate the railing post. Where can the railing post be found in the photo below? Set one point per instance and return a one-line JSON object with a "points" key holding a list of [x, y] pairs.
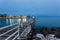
{"points": [[18, 29], [18, 33]]}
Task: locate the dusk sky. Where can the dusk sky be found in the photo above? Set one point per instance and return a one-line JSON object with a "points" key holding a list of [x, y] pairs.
{"points": [[30, 7]]}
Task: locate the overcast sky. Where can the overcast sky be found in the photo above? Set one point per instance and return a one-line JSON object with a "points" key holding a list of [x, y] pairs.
{"points": [[30, 7]]}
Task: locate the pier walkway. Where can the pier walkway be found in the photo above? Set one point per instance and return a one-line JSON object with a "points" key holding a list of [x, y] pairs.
{"points": [[14, 32]]}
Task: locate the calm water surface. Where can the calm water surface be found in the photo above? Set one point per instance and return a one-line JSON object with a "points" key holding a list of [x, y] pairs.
{"points": [[48, 22], [7, 22]]}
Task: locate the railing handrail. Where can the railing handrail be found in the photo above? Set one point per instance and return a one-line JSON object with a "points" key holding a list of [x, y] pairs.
{"points": [[7, 26], [8, 31], [15, 37], [15, 33], [25, 31], [12, 35]]}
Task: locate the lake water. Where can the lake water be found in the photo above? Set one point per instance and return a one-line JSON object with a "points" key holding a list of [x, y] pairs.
{"points": [[7, 22], [48, 22]]}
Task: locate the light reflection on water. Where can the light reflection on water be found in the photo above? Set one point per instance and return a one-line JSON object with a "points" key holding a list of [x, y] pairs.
{"points": [[7, 22], [48, 22]]}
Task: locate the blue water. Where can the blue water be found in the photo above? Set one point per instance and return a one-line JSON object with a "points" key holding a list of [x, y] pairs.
{"points": [[48, 22], [6, 22]]}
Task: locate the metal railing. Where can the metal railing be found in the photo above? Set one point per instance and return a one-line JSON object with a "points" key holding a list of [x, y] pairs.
{"points": [[25, 32], [10, 31], [16, 34], [7, 26]]}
